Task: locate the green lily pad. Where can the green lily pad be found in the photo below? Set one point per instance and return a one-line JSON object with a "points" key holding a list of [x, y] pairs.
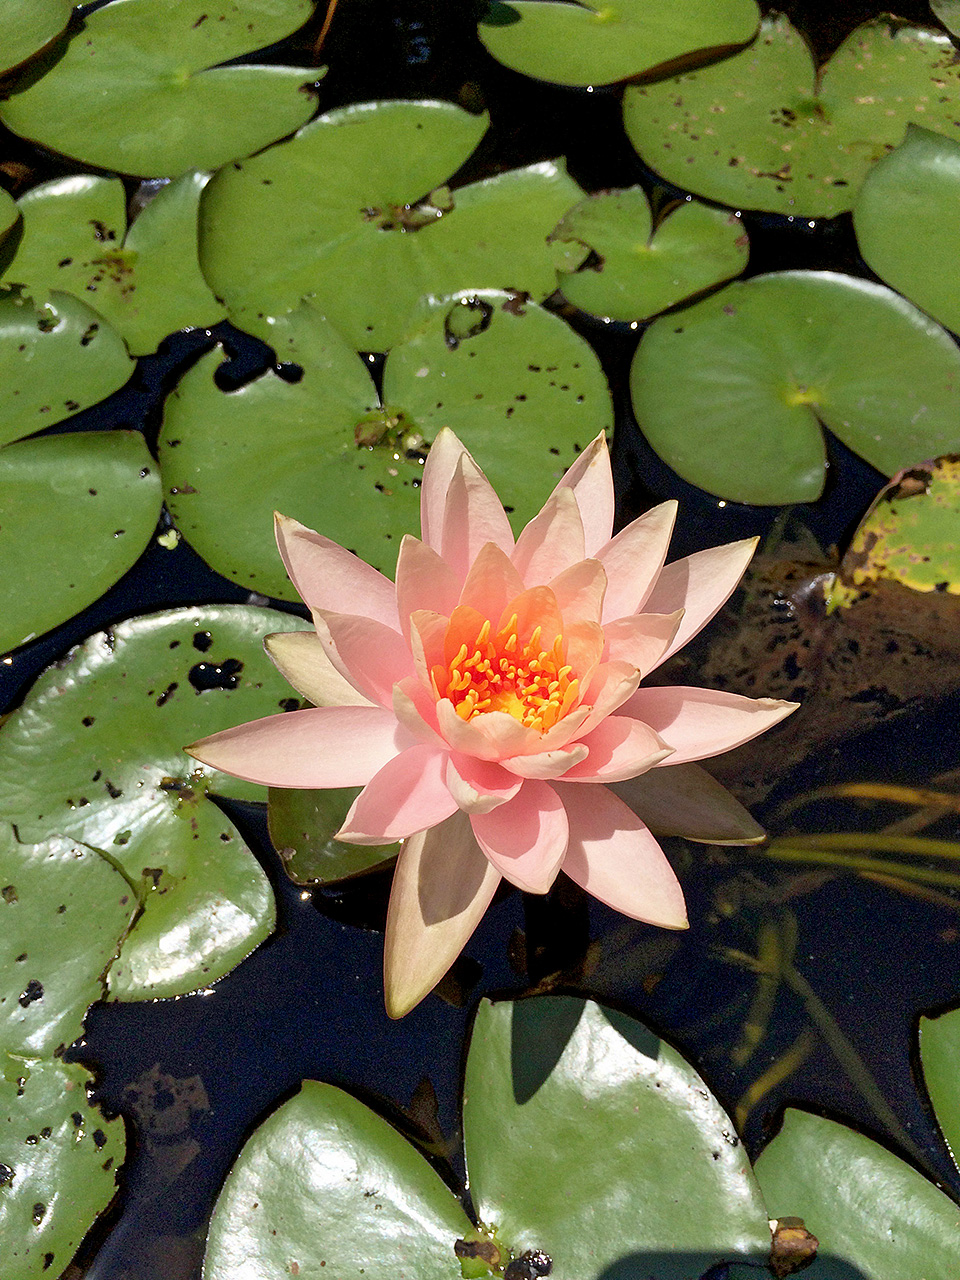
{"points": [[940, 1055], [906, 224], [521, 389], [635, 271], [54, 360], [302, 824], [143, 73], [9, 213], [948, 11], [27, 25], [731, 392], [350, 212], [78, 510], [145, 281], [64, 909], [324, 1182], [597, 43], [864, 1205], [765, 130], [591, 1139], [58, 1163], [96, 754]]}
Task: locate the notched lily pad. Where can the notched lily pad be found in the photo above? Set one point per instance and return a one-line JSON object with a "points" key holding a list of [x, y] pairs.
{"points": [[146, 280], [149, 77], [765, 130], [739, 415], [634, 271], [54, 361], [28, 25], [58, 1164], [78, 510], [96, 754], [302, 826], [594, 43]]}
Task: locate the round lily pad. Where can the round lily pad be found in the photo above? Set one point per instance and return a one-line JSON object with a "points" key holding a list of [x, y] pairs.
{"points": [[9, 213], [521, 389], [634, 271], [146, 280], [906, 224], [302, 826], [96, 754], [148, 76], [948, 11], [766, 130], [592, 1140], [58, 1164], [64, 910], [863, 1204], [731, 392], [365, 227], [940, 1054], [54, 360], [78, 510], [593, 42], [27, 25]]}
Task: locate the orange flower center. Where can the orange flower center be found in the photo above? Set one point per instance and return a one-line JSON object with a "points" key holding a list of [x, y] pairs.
{"points": [[498, 673]]}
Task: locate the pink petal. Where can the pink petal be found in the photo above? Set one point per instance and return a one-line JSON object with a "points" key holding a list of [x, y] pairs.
{"points": [[618, 748], [552, 541], [491, 736], [416, 709], [547, 764], [300, 658], [704, 722], [613, 856], [699, 584], [634, 558], [525, 838], [442, 886], [579, 591], [428, 633], [439, 469], [478, 785], [535, 608], [317, 748], [591, 480], [327, 576], [407, 795], [611, 686], [642, 639], [491, 583], [370, 655], [685, 800], [473, 516], [585, 644], [563, 732], [424, 581]]}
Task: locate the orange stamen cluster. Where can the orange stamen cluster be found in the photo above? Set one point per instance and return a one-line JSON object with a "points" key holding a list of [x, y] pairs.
{"points": [[498, 673]]}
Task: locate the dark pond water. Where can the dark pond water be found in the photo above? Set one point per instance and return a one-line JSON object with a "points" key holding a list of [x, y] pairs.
{"points": [[192, 1076]]}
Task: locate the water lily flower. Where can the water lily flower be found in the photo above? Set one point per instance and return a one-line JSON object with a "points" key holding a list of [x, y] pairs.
{"points": [[488, 703]]}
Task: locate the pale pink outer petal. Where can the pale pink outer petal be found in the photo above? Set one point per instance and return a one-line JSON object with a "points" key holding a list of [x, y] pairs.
{"points": [[547, 764], [591, 480], [438, 472], [301, 659], [525, 838], [327, 576], [442, 886], [491, 583], [407, 795], [700, 585], [618, 748], [317, 748], [701, 723], [552, 541], [642, 639], [473, 515], [416, 709], [615, 857], [479, 785], [371, 656], [685, 800], [579, 591], [424, 581], [492, 736], [634, 558]]}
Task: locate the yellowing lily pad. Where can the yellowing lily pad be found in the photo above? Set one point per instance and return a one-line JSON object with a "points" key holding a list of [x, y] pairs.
{"points": [[593, 42], [96, 754], [352, 214], [766, 130], [148, 75], [634, 271], [54, 360], [146, 280], [27, 25], [78, 510], [732, 391], [905, 217]]}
